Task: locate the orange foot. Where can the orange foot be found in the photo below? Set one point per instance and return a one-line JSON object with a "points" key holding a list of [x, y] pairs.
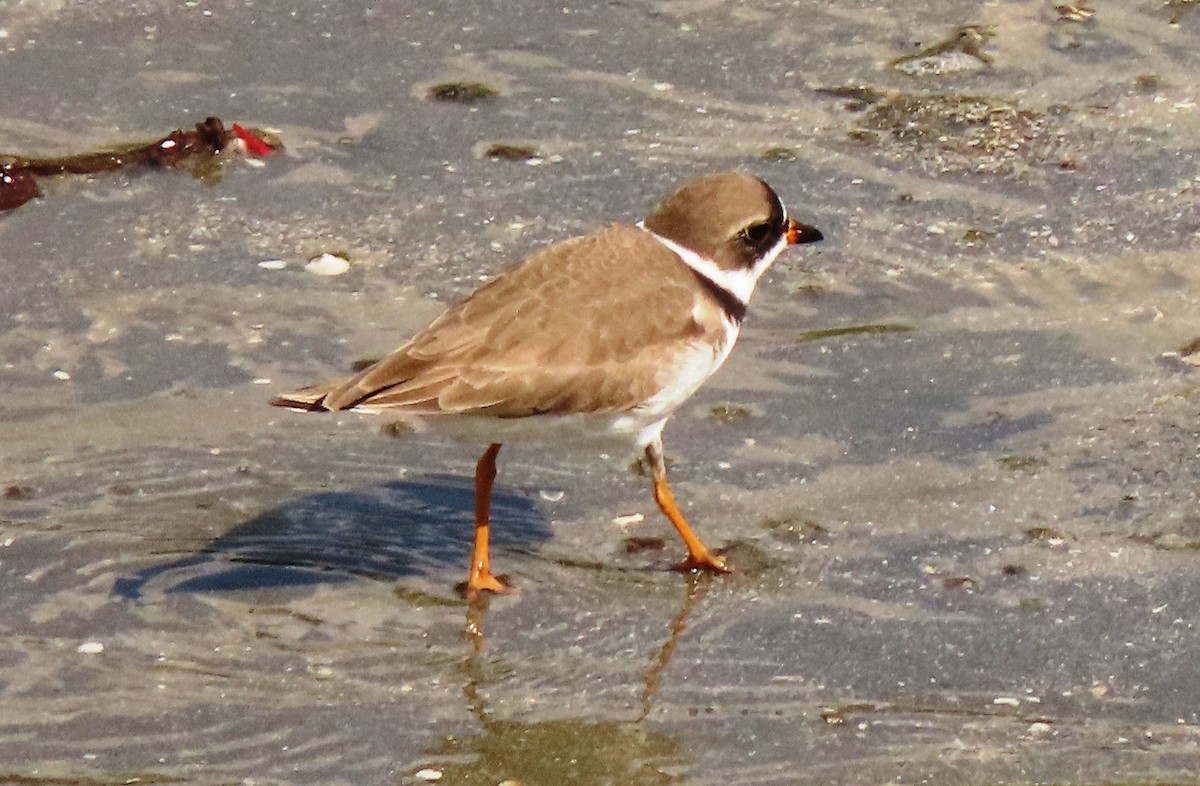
{"points": [[484, 582], [705, 561]]}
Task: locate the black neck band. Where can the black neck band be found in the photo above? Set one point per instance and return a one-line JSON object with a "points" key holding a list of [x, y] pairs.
{"points": [[734, 308]]}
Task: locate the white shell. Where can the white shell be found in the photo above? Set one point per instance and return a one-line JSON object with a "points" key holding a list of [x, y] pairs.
{"points": [[327, 265]]}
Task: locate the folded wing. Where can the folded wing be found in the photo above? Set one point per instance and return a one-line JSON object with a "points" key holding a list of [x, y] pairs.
{"points": [[589, 325]]}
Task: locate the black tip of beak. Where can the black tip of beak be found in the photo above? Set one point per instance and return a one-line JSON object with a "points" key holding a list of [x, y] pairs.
{"points": [[803, 233], [809, 234]]}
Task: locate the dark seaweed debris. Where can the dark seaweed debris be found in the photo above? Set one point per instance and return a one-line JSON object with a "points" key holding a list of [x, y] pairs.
{"points": [[461, 92], [948, 133], [850, 330], [196, 148], [502, 151], [779, 153]]}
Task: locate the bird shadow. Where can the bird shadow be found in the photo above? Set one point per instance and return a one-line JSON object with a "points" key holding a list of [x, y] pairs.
{"points": [[385, 532]]}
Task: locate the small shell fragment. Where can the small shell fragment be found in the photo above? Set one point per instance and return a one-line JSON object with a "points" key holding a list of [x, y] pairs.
{"points": [[629, 519], [90, 648], [327, 265], [428, 775], [272, 264]]}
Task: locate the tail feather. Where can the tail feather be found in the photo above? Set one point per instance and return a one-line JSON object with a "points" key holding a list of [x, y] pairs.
{"points": [[393, 372], [310, 399]]}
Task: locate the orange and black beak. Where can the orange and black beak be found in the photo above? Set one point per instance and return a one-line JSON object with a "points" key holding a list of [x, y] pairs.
{"points": [[802, 233]]}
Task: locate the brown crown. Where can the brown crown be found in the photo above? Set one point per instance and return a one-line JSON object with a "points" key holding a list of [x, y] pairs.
{"points": [[732, 218]]}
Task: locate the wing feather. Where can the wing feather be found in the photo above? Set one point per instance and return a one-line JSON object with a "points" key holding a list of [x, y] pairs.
{"points": [[587, 325]]}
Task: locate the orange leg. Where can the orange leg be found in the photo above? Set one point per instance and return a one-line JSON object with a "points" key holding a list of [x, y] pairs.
{"points": [[481, 577], [699, 557]]}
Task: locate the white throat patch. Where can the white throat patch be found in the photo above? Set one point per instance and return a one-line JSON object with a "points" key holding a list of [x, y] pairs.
{"points": [[739, 283]]}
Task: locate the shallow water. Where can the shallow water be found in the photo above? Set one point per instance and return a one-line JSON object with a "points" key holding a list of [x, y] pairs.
{"points": [[967, 549]]}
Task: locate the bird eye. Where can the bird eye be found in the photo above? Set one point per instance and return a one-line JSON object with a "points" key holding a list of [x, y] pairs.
{"points": [[756, 234]]}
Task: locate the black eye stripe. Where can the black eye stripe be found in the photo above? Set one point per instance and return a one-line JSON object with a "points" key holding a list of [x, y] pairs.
{"points": [[756, 234], [761, 235]]}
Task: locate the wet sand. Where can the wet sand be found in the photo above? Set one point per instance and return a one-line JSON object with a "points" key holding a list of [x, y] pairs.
{"points": [[954, 458]]}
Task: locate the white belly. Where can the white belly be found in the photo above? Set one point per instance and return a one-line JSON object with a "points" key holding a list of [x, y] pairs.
{"points": [[634, 428]]}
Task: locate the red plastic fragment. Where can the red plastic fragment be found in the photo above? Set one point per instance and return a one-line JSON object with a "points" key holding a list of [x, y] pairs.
{"points": [[254, 145]]}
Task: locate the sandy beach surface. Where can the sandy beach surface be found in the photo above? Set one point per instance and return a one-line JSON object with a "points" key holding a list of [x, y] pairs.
{"points": [[955, 457]]}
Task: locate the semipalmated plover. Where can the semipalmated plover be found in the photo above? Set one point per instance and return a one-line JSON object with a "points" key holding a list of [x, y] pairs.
{"points": [[602, 336]]}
